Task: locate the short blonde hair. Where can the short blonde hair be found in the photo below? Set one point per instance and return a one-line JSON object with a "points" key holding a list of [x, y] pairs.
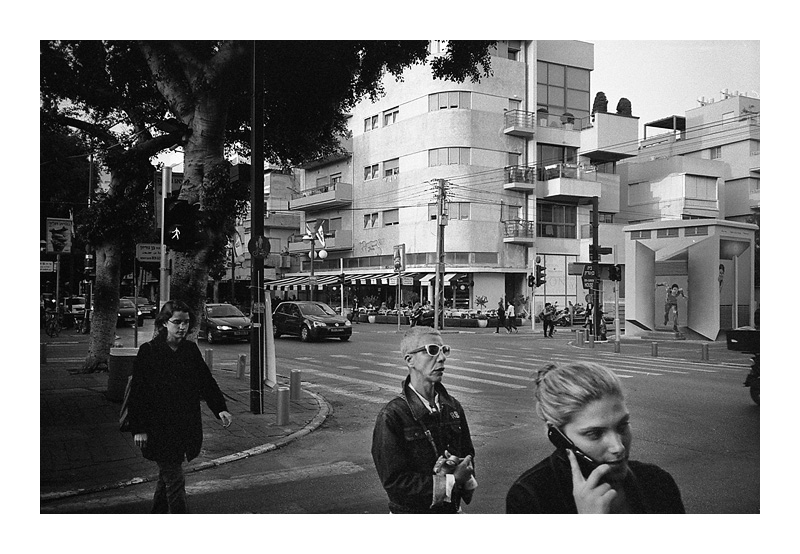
{"points": [[563, 390], [411, 338]]}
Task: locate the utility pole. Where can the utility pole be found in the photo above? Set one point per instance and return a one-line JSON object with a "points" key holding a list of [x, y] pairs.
{"points": [[441, 219], [595, 259]]}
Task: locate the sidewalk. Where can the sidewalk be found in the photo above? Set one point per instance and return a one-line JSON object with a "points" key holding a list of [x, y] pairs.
{"points": [[82, 449]]}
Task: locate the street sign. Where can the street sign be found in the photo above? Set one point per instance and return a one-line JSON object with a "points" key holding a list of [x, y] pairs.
{"points": [[407, 281], [59, 236], [588, 271], [589, 282], [46, 267], [393, 281], [148, 252]]}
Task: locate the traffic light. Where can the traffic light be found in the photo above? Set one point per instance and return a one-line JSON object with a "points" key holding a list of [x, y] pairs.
{"points": [[541, 275], [180, 224], [615, 273], [600, 251], [531, 281]]}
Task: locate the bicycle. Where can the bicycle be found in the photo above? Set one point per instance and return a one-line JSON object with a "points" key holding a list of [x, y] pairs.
{"points": [[52, 325]]}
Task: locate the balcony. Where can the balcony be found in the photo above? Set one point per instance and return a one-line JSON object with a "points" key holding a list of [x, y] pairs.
{"points": [[334, 240], [610, 138], [520, 178], [281, 221], [564, 129], [520, 123], [568, 182], [519, 231], [331, 195]]}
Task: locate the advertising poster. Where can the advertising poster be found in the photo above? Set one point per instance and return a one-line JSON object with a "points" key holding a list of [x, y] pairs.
{"points": [[59, 236]]}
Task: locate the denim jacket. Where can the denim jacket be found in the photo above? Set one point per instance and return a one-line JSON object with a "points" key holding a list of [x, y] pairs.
{"points": [[404, 455]]}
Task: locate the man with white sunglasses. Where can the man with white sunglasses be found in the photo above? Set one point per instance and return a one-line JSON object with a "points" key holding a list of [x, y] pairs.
{"points": [[421, 444]]}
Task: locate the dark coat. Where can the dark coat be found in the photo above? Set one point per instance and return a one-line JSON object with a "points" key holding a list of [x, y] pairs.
{"points": [[403, 454], [166, 390], [546, 488]]}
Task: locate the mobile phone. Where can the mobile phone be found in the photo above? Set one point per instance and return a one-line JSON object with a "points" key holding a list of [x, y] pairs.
{"points": [[562, 442]]}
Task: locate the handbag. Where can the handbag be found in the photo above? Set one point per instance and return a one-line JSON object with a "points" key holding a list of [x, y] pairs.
{"points": [[124, 422]]}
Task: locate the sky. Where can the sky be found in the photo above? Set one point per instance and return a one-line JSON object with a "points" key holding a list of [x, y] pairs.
{"points": [[663, 78]]}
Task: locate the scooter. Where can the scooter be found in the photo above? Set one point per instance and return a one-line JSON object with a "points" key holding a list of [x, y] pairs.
{"points": [[753, 379], [562, 318]]}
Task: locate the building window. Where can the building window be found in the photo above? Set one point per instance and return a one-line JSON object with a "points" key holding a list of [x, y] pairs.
{"points": [[390, 116], [639, 235], [391, 168], [370, 123], [458, 210], [716, 152], [371, 172], [556, 221], [449, 100], [448, 156], [336, 178], [700, 188], [513, 158], [509, 212], [486, 258], [513, 50], [370, 220], [666, 233], [563, 89], [700, 230], [391, 217], [606, 217]]}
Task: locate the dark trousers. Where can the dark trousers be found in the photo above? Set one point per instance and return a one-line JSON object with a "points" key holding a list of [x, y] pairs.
{"points": [[170, 496], [500, 322], [549, 327]]}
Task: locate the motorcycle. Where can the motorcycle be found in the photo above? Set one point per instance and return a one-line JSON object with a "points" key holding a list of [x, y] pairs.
{"points": [[753, 379], [562, 317], [422, 317]]}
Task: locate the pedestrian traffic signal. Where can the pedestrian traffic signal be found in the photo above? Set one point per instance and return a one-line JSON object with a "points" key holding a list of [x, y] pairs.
{"points": [[180, 224], [615, 273], [531, 281], [541, 275], [342, 279]]}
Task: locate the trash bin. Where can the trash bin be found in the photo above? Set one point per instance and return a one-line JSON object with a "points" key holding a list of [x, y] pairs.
{"points": [[120, 367]]}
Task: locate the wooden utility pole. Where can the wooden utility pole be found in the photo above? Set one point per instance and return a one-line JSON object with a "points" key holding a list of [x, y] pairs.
{"points": [[441, 219]]}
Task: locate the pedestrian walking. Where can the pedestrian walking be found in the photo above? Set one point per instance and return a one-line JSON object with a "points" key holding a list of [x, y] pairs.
{"points": [[421, 443], [501, 315], [548, 314], [511, 319], [170, 377], [583, 406]]}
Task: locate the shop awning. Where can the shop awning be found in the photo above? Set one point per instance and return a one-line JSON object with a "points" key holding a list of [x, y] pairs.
{"points": [[430, 276], [289, 283]]}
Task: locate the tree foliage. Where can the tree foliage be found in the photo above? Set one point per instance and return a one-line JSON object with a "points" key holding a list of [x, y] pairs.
{"points": [[624, 107]]}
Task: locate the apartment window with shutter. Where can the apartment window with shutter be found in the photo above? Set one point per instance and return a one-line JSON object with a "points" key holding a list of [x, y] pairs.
{"points": [[716, 153], [449, 100], [448, 156], [370, 123], [391, 168], [391, 217], [371, 172], [370, 220], [390, 116]]}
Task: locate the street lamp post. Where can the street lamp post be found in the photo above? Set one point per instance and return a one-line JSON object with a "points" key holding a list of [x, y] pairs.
{"points": [[311, 255]]}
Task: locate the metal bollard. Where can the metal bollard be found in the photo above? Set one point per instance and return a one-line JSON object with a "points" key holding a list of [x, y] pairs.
{"points": [[654, 349], [591, 341], [43, 352], [616, 347], [283, 406], [210, 358], [241, 365], [704, 351], [294, 384]]}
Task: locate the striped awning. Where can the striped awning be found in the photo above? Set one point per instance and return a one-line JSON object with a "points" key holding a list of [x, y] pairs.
{"points": [[289, 283], [426, 280]]}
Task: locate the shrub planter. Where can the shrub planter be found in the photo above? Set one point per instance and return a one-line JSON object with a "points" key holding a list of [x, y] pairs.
{"points": [[483, 323], [372, 318]]}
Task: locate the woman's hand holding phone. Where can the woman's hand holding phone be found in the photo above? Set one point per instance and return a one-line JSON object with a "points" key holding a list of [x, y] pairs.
{"points": [[592, 495]]}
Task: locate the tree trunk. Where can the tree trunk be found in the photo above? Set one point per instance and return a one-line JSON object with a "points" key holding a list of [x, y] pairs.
{"points": [[106, 303]]}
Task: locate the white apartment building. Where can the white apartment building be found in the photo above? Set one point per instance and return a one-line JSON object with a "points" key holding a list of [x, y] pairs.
{"points": [[521, 157]]}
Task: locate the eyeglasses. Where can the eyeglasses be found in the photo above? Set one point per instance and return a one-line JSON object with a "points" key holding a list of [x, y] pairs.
{"points": [[433, 349], [179, 322]]}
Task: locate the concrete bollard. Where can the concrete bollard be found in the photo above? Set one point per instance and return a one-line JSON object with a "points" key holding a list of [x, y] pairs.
{"points": [[283, 406], [579, 334], [591, 341], [616, 347], [654, 349], [43, 352], [210, 358], [704, 351], [241, 365], [294, 384]]}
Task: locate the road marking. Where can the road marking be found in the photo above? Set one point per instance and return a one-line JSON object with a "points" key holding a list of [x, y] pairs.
{"points": [[447, 385], [343, 392], [465, 378], [496, 374], [354, 379]]}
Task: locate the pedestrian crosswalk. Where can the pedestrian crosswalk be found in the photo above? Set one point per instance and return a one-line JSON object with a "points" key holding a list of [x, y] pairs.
{"points": [[375, 377]]}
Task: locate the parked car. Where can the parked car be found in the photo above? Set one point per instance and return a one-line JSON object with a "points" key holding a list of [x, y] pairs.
{"points": [[148, 308], [128, 314], [224, 321], [309, 321]]}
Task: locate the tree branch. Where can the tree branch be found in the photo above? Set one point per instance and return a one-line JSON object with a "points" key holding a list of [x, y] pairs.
{"points": [[171, 87]]}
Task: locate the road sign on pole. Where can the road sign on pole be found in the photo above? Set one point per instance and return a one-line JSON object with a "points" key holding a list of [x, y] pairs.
{"points": [[148, 252]]}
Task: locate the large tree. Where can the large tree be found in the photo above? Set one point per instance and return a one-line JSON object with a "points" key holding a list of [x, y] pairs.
{"points": [[309, 87]]}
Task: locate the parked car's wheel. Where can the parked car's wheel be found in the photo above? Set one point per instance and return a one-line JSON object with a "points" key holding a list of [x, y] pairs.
{"points": [[209, 337], [305, 334], [344, 339]]}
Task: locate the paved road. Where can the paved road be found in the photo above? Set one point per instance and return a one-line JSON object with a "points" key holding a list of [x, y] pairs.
{"points": [[694, 419]]}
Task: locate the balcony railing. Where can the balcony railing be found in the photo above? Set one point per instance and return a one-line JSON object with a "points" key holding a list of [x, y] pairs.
{"points": [[567, 170], [519, 229], [329, 195], [329, 187], [520, 118], [564, 121]]}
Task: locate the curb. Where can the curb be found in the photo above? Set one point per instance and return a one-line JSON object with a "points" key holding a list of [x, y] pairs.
{"points": [[324, 411]]}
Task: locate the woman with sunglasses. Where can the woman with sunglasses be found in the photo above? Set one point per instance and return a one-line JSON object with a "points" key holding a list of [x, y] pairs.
{"points": [[170, 377], [421, 443], [583, 407]]}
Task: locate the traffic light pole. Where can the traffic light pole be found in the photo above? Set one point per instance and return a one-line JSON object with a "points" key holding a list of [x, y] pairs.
{"points": [[595, 259]]}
